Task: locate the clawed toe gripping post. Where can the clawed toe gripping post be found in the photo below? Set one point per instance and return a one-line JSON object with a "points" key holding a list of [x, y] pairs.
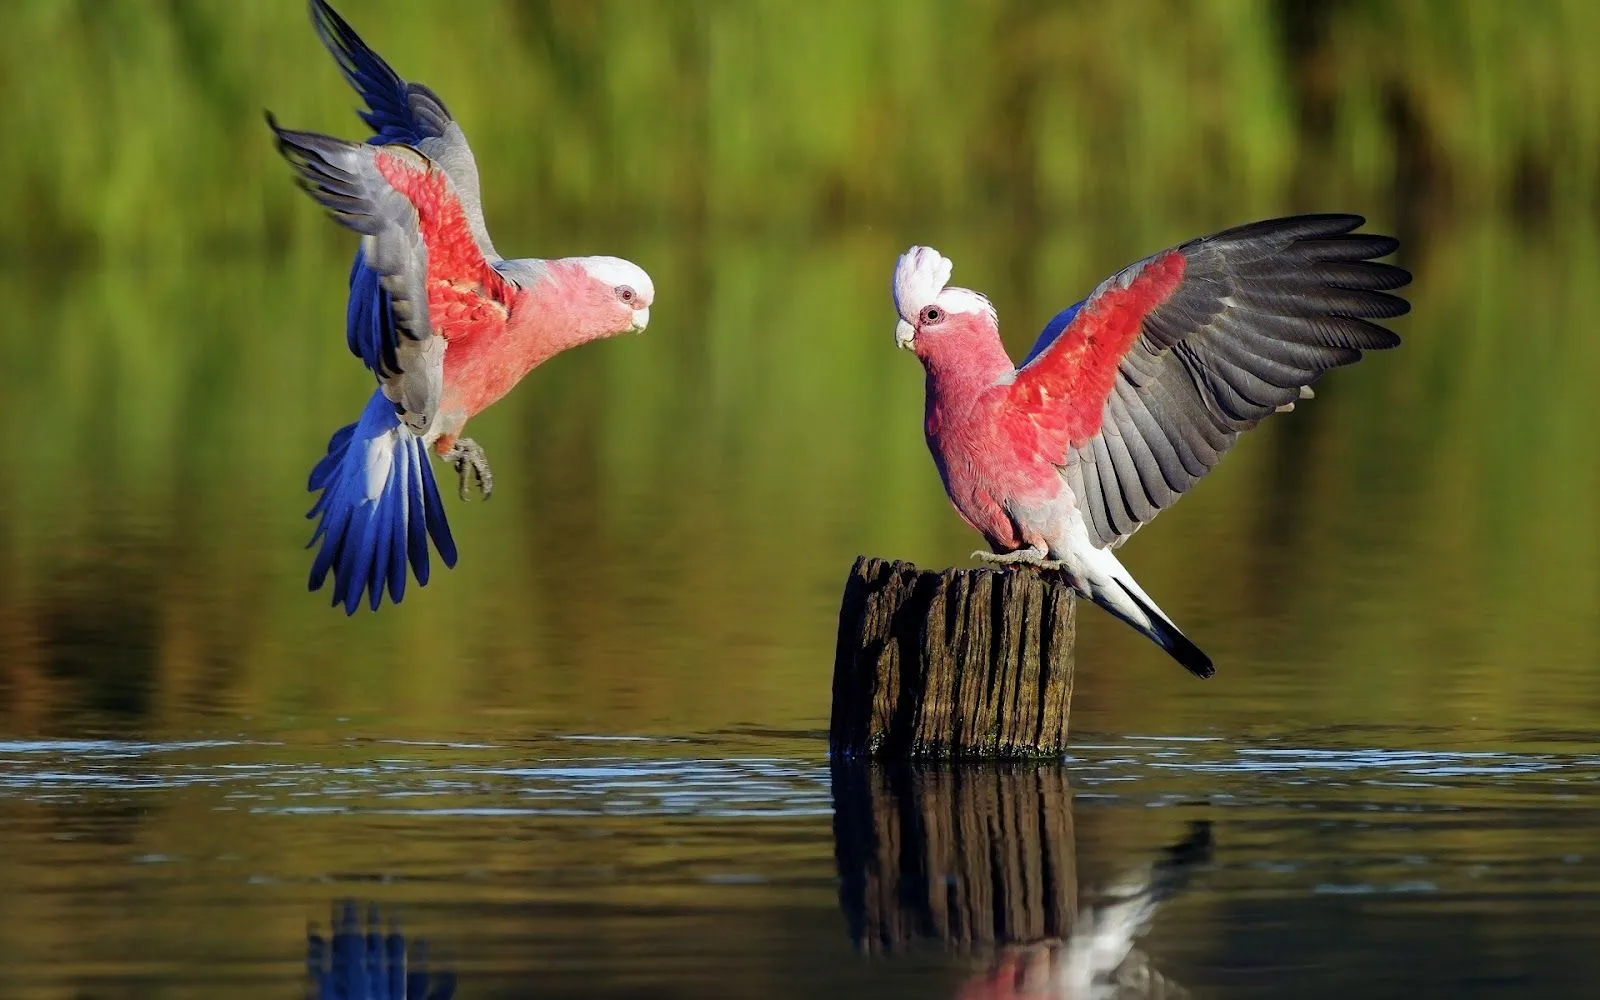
{"points": [[1038, 557], [468, 458]]}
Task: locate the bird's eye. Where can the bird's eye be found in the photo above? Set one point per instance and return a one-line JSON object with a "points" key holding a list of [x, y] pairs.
{"points": [[626, 293], [932, 314]]}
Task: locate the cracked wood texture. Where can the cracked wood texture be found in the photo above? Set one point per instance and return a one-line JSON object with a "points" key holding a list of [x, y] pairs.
{"points": [[959, 663], [968, 855]]}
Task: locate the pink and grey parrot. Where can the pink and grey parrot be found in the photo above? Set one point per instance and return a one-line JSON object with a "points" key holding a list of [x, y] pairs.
{"points": [[1133, 394], [446, 325]]}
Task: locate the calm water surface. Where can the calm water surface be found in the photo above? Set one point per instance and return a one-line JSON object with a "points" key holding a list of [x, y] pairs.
{"points": [[1338, 865]]}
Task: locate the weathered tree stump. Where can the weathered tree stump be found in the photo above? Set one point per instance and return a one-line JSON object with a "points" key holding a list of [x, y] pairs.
{"points": [[967, 857], [970, 662]]}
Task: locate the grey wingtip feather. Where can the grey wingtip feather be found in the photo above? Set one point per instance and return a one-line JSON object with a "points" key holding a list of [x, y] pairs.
{"points": [[326, 21]]}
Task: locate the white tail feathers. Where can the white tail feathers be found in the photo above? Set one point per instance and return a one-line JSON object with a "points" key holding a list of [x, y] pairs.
{"points": [[1121, 595]]}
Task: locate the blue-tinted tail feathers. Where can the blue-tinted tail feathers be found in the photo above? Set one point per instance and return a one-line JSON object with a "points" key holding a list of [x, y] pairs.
{"points": [[378, 508]]}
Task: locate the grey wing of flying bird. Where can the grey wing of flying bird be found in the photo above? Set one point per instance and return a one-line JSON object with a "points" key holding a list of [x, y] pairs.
{"points": [[404, 113]]}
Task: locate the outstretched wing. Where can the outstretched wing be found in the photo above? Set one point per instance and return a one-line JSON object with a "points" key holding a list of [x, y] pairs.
{"points": [[434, 282], [1146, 384], [399, 113]]}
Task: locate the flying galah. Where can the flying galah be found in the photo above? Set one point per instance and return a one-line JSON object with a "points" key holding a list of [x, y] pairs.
{"points": [[1133, 394], [444, 322]]}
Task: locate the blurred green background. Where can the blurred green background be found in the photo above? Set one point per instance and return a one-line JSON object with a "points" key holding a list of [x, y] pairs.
{"points": [[1413, 555], [676, 513]]}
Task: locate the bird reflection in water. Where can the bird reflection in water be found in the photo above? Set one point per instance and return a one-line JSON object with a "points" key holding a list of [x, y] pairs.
{"points": [[360, 960], [1098, 960]]}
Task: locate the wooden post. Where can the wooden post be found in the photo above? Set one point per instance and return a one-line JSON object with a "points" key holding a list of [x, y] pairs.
{"points": [[968, 856], [962, 663]]}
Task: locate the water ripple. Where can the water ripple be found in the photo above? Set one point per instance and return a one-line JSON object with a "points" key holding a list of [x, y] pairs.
{"points": [[469, 778]]}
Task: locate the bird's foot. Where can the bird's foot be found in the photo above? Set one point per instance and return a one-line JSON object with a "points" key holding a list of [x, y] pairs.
{"points": [[1038, 557], [468, 458]]}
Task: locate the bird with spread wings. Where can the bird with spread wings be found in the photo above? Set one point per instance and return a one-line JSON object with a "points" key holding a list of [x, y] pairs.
{"points": [[1135, 393], [446, 325]]}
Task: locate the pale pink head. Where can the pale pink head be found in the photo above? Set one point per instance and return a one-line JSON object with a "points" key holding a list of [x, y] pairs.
{"points": [[939, 323], [605, 296]]}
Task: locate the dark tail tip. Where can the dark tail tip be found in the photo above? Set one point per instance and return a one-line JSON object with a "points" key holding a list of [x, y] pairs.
{"points": [[1167, 636], [1185, 652], [1196, 846], [1178, 862]]}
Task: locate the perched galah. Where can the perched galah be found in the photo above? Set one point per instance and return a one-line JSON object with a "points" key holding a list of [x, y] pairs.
{"points": [[445, 323], [1133, 394]]}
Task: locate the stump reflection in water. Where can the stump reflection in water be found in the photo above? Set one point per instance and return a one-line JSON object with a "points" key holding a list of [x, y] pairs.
{"points": [[980, 859], [1099, 961], [968, 856]]}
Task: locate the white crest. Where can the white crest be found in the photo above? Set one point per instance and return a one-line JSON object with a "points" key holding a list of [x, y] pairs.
{"points": [[919, 281]]}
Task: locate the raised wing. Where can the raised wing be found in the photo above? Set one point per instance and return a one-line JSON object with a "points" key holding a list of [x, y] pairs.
{"points": [[399, 113], [1146, 384], [430, 277]]}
